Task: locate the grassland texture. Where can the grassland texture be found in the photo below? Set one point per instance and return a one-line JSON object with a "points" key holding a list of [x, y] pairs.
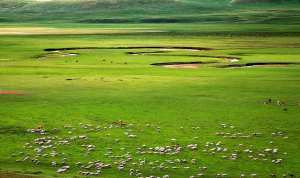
{"points": [[162, 107]]}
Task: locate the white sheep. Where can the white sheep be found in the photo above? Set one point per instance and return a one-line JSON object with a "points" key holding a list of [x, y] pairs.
{"points": [[27, 158], [131, 136], [61, 170], [139, 174]]}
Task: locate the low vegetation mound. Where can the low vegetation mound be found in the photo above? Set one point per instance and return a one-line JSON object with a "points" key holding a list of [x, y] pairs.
{"points": [[243, 1], [140, 11]]}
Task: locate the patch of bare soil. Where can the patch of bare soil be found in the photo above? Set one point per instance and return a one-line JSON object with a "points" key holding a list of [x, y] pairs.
{"points": [[11, 93], [6, 175]]}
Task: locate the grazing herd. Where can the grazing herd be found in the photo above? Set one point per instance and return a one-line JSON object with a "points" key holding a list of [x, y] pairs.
{"points": [[278, 103], [44, 150]]}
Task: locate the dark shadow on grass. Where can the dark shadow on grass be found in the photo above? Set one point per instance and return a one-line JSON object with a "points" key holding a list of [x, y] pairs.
{"points": [[145, 47]]}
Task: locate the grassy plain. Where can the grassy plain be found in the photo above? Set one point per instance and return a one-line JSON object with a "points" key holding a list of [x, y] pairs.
{"points": [[101, 93], [59, 91]]}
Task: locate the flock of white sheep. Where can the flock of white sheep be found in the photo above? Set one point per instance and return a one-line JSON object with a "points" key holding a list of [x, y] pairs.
{"points": [[45, 147]]}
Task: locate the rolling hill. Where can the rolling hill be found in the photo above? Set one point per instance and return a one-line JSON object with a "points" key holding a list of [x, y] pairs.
{"points": [[151, 11]]}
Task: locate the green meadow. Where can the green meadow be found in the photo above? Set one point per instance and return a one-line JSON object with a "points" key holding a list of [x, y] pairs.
{"points": [[73, 74]]}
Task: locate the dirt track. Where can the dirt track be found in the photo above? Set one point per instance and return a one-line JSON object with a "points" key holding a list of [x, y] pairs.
{"points": [[15, 175], [11, 93]]}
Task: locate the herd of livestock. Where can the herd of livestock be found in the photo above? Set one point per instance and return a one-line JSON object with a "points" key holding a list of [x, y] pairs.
{"points": [[44, 150]]}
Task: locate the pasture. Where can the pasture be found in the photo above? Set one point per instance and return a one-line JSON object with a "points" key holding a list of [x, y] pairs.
{"points": [[111, 78]]}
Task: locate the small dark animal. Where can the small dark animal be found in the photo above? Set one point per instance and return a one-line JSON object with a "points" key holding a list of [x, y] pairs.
{"points": [[66, 61], [282, 103], [272, 175], [104, 60], [270, 100], [183, 161], [285, 109], [292, 175], [125, 63], [76, 61]]}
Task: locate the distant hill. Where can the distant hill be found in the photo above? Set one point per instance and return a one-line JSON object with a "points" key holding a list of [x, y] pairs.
{"points": [[269, 1], [151, 11]]}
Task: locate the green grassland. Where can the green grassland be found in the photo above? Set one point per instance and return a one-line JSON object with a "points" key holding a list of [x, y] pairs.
{"points": [[63, 91], [101, 93]]}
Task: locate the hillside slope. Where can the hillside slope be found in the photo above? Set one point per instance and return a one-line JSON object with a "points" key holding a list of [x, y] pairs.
{"points": [[150, 11]]}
